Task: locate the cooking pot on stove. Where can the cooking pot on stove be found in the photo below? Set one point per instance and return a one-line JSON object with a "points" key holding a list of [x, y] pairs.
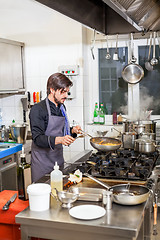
{"points": [[128, 139], [145, 126], [145, 135], [143, 145], [139, 126], [128, 126]]}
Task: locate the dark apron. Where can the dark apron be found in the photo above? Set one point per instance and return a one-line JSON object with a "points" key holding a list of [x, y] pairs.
{"points": [[43, 159]]}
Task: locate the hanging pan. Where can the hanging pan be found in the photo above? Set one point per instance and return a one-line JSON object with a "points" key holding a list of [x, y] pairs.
{"points": [[132, 73]]}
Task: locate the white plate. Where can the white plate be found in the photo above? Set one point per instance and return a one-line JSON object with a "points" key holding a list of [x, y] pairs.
{"points": [[87, 212]]}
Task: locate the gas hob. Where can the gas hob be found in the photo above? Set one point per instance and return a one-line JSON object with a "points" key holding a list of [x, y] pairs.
{"points": [[122, 164]]}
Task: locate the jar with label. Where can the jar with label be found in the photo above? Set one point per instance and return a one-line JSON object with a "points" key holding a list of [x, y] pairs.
{"points": [[114, 118], [120, 119]]}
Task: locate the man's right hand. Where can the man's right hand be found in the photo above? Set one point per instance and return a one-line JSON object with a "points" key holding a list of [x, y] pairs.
{"points": [[66, 140]]}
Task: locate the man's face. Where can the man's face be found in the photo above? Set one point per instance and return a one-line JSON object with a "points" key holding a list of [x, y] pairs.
{"points": [[60, 95]]}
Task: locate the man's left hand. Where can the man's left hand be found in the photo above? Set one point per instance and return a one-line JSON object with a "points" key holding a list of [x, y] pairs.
{"points": [[77, 129]]}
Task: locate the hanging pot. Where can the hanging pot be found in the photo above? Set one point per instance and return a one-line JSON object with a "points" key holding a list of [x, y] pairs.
{"points": [[132, 73]]}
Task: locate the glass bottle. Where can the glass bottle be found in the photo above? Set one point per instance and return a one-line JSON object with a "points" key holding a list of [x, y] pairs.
{"points": [[119, 119], [56, 179], [24, 176], [96, 114], [101, 114], [114, 118]]}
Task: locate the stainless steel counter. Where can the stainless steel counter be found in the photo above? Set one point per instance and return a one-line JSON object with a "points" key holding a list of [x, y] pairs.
{"points": [[121, 222]]}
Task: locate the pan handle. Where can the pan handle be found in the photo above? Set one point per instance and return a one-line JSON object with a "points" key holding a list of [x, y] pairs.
{"points": [[86, 133], [96, 180]]}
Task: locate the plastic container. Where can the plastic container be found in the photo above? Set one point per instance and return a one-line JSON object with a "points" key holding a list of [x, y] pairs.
{"points": [[56, 179], [39, 196]]}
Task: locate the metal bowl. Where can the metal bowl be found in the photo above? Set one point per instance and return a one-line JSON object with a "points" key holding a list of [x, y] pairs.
{"points": [[102, 133], [19, 132], [67, 198]]}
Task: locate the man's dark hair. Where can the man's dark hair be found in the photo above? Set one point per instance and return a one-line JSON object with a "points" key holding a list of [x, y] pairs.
{"points": [[58, 81]]}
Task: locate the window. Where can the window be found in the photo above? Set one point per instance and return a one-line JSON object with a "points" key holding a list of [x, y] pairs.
{"points": [[150, 84], [113, 90]]}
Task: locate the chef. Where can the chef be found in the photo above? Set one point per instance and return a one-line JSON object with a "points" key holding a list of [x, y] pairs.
{"points": [[50, 127]]}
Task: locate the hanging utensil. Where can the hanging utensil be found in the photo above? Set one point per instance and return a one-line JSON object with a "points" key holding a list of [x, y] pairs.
{"points": [[148, 65], [115, 55], [108, 56], [158, 37], [93, 44], [132, 73], [154, 61]]}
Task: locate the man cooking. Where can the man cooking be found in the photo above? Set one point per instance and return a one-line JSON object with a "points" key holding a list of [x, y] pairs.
{"points": [[50, 127]]}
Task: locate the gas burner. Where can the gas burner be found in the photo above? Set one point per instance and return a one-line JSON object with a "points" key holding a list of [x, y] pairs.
{"points": [[122, 164]]}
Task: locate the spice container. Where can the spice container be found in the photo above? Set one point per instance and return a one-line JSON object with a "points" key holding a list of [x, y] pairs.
{"points": [[107, 199], [114, 118]]}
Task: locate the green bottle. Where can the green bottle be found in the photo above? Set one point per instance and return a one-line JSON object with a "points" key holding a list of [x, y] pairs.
{"points": [[96, 114], [24, 177], [101, 114]]}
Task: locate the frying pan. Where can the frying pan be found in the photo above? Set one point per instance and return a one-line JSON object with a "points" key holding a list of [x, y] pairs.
{"points": [[132, 73], [105, 144], [125, 194]]}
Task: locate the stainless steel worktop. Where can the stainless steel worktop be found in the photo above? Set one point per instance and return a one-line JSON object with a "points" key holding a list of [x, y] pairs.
{"points": [[121, 222]]}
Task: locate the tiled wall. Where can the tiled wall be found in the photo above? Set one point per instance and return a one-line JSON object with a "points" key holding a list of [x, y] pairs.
{"points": [[58, 41]]}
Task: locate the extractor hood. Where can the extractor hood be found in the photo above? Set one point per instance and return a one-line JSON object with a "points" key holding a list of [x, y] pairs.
{"points": [[111, 16], [144, 15]]}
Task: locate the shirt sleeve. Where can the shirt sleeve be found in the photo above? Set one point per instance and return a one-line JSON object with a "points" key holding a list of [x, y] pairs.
{"points": [[38, 122]]}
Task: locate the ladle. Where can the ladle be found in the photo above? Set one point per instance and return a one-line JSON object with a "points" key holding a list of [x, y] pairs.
{"points": [[115, 55], [108, 56], [148, 65], [93, 44], [159, 43], [154, 61]]}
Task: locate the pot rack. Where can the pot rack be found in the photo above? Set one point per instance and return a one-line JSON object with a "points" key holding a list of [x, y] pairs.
{"points": [[122, 37]]}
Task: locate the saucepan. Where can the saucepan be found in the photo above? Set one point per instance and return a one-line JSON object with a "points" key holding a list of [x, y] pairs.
{"points": [[104, 144], [125, 194], [145, 145]]}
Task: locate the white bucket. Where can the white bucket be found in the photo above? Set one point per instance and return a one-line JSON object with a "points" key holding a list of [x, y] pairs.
{"points": [[39, 196]]}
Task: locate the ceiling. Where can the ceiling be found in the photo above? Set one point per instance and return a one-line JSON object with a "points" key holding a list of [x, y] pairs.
{"points": [[111, 16]]}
